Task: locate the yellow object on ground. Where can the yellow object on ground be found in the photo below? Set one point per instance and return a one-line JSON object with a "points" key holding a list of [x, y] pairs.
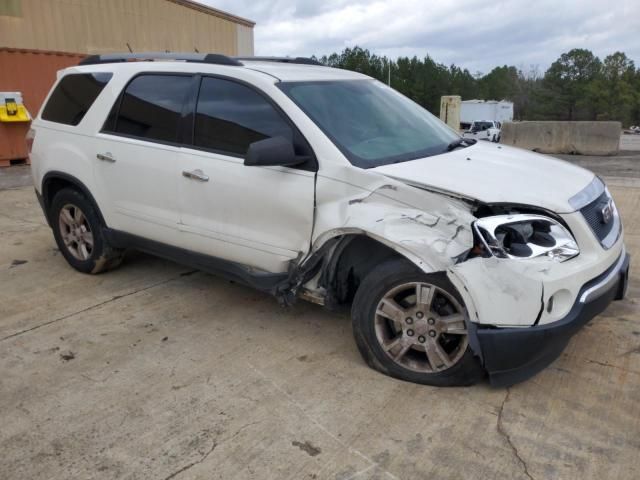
{"points": [[12, 108], [19, 114]]}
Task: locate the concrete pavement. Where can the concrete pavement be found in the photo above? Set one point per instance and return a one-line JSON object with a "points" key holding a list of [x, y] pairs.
{"points": [[154, 371]]}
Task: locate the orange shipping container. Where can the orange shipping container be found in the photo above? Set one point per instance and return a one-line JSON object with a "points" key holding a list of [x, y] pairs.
{"points": [[31, 72]]}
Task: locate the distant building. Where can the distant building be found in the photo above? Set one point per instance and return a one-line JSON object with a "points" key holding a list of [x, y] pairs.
{"points": [[99, 26], [40, 37]]}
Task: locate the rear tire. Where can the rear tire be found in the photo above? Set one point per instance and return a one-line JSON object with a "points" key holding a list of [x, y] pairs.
{"points": [[79, 233], [412, 326]]}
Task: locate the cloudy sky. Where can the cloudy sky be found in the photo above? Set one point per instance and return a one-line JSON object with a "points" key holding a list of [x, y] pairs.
{"points": [[476, 34]]}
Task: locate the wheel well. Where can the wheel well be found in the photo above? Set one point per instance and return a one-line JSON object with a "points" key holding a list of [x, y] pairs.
{"points": [[53, 182], [352, 260], [53, 186]]}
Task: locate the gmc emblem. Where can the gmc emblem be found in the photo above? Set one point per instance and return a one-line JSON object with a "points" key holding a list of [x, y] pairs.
{"points": [[607, 212]]}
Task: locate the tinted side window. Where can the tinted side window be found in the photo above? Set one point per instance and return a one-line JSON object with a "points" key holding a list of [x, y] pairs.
{"points": [[73, 96], [151, 107], [230, 116]]}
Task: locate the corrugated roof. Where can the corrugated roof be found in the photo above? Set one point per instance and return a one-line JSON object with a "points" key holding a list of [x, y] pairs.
{"points": [[214, 11]]}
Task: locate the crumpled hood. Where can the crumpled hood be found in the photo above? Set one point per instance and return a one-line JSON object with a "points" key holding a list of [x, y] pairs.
{"points": [[493, 173]]}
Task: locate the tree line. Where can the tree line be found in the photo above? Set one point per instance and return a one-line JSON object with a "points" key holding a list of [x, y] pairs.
{"points": [[577, 86]]}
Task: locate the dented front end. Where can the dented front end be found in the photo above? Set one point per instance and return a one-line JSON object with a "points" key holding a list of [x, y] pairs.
{"points": [[529, 278], [436, 231], [519, 292], [431, 230]]}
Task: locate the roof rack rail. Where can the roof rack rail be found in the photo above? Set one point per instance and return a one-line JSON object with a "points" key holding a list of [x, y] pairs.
{"points": [[212, 58], [297, 60]]}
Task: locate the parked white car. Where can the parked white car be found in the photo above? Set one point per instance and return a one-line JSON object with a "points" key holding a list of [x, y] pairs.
{"points": [[484, 130], [458, 258]]}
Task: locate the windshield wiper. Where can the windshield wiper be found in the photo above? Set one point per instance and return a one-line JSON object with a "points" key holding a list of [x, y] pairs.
{"points": [[458, 143]]}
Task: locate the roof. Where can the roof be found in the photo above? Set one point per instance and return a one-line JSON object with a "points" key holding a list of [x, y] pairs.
{"points": [[214, 11], [284, 69], [300, 72]]}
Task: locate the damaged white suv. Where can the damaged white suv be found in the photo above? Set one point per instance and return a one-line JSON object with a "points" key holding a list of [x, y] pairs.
{"points": [[459, 259]]}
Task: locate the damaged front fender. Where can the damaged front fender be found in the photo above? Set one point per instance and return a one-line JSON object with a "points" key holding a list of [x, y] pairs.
{"points": [[429, 229]]}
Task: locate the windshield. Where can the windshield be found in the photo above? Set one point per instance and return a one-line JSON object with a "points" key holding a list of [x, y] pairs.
{"points": [[369, 122]]}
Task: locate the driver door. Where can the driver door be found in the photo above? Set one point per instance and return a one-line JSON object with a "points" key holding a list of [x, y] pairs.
{"points": [[257, 216]]}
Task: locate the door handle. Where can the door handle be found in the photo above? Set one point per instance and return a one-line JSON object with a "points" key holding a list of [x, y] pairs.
{"points": [[196, 175], [106, 157]]}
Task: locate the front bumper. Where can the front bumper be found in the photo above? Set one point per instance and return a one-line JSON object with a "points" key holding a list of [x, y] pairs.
{"points": [[511, 355]]}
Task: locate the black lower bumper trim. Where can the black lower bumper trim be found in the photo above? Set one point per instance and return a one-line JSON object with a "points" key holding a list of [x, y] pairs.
{"points": [[512, 355]]}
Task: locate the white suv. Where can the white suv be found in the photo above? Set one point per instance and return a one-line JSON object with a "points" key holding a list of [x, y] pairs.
{"points": [[458, 258]]}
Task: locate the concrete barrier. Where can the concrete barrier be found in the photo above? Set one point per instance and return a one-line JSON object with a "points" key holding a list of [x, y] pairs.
{"points": [[584, 138], [450, 110]]}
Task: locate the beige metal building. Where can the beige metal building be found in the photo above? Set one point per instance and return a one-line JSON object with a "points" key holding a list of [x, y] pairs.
{"points": [[40, 37], [99, 26]]}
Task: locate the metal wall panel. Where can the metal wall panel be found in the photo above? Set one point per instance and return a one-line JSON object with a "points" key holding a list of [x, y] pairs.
{"points": [[32, 73], [245, 40], [98, 26]]}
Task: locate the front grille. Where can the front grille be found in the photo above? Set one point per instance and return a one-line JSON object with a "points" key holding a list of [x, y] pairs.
{"points": [[593, 215]]}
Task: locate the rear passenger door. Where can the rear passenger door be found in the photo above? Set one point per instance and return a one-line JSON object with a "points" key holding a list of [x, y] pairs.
{"points": [[137, 155], [258, 216]]}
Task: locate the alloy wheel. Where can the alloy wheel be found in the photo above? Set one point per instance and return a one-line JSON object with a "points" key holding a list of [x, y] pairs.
{"points": [[421, 327], [75, 232]]}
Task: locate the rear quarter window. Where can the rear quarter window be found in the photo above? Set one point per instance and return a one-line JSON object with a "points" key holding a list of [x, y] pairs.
{"points": [[73, 96]]}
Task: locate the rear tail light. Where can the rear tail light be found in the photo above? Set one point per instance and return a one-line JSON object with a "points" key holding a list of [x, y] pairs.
{"points": [[31, 136]]}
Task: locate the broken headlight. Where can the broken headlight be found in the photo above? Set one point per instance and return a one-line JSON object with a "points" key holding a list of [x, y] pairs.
{"points": [[525, 236]]}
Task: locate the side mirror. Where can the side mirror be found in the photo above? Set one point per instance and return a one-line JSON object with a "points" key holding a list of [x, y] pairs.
{"points": [[275, 151]]}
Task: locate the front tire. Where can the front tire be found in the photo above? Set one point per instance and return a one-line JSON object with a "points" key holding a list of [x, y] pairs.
{"points": [[79, 233], [412, 326]]}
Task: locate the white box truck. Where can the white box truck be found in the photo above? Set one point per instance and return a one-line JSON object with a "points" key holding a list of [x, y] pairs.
{"points": [[485, 110]]}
